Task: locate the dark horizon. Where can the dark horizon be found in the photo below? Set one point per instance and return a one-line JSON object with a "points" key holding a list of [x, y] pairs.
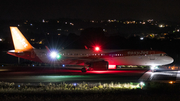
{"points": [[90, 9]]}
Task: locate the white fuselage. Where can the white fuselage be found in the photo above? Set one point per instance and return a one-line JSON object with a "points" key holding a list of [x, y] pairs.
{"points": [[113, 57]]}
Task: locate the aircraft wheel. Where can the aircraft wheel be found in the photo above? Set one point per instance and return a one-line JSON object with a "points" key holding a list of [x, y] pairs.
{"points": [[83, 69]]}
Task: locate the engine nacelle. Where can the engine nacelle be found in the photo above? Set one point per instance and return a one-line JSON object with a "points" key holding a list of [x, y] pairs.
{"points": [[100, 65]]}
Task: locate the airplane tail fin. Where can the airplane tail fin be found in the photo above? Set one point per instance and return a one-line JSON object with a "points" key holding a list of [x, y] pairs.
{"points": [[20, 42]]}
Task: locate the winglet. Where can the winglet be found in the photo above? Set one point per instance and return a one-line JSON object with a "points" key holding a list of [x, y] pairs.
{"points": [[20, 42]]}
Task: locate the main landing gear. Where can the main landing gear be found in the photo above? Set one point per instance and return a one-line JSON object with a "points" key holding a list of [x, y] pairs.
{"points": [[83, 69]]}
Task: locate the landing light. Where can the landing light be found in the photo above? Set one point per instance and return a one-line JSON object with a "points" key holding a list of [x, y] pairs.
{"points": [[153, 67], [55, 55]]}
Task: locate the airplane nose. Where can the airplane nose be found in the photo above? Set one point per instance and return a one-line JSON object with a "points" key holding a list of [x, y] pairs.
{"points": [[169, 59]]}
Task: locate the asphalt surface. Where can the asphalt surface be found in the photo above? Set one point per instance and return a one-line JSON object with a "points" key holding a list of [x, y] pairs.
{"points": [[31, 74]]}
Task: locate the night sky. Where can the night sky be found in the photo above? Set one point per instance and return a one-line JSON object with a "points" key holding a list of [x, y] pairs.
{"points": [[91, 9]]}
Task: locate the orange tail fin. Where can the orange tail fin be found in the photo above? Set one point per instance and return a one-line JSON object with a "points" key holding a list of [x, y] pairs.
{"points": [[20, 42]]}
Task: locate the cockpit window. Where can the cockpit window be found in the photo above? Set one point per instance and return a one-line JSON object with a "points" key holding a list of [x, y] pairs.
{"points": [[163, 54]]}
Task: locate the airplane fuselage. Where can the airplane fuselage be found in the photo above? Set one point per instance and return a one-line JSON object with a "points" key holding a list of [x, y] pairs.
{"points": [[98, 59], [113, 57]]}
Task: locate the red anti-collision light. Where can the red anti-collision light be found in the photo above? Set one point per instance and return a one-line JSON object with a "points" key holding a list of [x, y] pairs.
{"points": [[97, 48]]}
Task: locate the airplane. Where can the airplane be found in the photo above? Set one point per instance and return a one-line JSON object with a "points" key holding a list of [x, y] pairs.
{"points": [[90, 59]]}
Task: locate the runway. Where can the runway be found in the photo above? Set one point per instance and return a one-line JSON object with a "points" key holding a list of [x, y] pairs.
{"points": [[48, 74], [56, 75]]}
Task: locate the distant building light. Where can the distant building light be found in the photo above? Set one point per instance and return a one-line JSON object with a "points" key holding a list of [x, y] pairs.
{"points": [[59, 34], [104, 30], [149, 20], [152, 35], [40, 42], [92, 21], [140, 22], [81, 29], [177, 30], [59, 29], [31, 24], [141, 38], [18, 25], [112, 20], [47, 33], [1, 39], [43, 21], [161, 26], [57, 21], [32, 39], [65, 22], [72, 24], [144, 23], [109, 20]]}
